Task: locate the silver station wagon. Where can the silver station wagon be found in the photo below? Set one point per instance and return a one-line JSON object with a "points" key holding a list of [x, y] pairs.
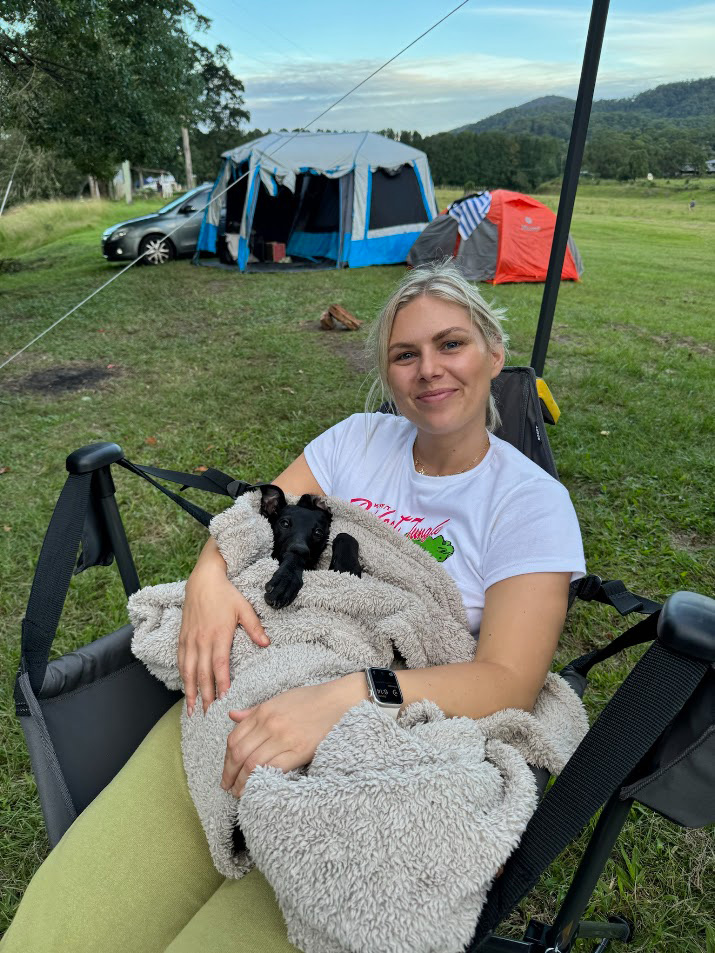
{"points": [[161, 236]]}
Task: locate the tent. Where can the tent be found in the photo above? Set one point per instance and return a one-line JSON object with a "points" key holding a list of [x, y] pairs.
{"points": [[345, 198], [496, 236]]}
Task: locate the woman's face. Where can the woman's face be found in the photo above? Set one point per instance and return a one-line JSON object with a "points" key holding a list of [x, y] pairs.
{"points": [[440, 368]]}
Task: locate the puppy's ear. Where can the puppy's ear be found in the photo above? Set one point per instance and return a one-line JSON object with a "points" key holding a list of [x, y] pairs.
{"points": [[312, 502], [272, 501]]}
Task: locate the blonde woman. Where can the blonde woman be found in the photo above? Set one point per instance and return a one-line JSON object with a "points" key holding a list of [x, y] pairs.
{"points": [[134, 869]]}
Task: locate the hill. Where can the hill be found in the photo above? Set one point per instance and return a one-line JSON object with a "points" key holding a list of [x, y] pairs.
{"points": [[689, 105]]}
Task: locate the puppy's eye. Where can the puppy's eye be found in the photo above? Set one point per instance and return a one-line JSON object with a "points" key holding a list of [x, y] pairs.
{"points": [[319, 533], [284, 522]]}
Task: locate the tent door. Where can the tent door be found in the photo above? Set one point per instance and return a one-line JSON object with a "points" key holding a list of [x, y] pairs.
{"points": [[317, 227], [272, 221]]}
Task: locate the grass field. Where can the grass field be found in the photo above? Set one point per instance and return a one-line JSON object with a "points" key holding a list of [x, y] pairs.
{"points": [[179, 364]]}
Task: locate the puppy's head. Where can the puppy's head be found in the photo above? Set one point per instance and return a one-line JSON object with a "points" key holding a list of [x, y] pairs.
{"points": [[301, 528]]}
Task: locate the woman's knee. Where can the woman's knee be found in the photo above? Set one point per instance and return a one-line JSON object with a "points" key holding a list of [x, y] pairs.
{"points": [[133, 868]]}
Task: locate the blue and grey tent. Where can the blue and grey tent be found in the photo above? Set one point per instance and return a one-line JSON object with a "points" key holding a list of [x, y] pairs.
{"points": [[348, 198]]}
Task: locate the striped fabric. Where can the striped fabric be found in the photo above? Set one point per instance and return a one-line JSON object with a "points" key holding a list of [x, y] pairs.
{"points": [[470, 212]]}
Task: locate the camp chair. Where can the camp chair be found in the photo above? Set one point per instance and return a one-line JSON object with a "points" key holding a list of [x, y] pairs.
{"points": [[85, 713]]}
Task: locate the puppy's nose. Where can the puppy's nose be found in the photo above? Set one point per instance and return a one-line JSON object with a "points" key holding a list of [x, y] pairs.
{"points": [[299, 549]]}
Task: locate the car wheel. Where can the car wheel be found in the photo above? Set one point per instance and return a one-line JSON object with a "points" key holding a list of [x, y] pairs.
{"points": [[156, 249]]}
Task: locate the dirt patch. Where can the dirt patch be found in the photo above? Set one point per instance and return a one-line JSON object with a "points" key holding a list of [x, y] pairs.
{"points": [[350, 345], [63, 378], [10, 266], [690, 542], [667, 339]]}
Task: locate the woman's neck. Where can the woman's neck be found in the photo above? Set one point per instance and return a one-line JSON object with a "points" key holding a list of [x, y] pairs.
{"points": [[449, 454]]}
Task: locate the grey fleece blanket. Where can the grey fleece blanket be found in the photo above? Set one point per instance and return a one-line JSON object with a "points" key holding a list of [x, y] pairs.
{"points": [[396, 829]]}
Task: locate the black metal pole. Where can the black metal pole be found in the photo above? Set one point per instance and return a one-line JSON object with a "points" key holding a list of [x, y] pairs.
{"points": [[582, 113], [597, 852], [115, 530]]}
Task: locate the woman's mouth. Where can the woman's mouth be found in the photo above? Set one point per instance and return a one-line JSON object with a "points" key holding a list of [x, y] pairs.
{"points": [[435, 396]]}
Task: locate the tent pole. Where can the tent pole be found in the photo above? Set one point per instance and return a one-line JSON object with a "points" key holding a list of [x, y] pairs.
{"points": [[582, 113]]}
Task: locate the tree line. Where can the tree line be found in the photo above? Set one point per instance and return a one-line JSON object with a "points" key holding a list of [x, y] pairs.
{"points": [[87, 84], [522, 162]]}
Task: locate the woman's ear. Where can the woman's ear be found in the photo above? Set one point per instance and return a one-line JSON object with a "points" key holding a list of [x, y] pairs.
{"points": [[497, 358]]}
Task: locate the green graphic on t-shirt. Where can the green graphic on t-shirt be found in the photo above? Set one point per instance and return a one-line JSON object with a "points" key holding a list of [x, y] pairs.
{"points": [[436, 546]]}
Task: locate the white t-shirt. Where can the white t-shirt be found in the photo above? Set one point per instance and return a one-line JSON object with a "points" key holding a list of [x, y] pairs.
{"points": [[503, 518]]}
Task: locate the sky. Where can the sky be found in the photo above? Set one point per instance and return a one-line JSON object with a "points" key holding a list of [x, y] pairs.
{"points": [[296, 59]]}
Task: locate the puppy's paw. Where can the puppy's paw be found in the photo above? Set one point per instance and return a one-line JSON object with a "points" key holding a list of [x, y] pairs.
{"points": [[345, 555], [283, 587]]}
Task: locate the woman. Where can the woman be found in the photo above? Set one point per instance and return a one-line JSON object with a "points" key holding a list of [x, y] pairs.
{"points": [[506, 532]]}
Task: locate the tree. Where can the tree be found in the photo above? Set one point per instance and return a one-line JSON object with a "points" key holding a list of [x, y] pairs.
{"points": [[98, 81]]}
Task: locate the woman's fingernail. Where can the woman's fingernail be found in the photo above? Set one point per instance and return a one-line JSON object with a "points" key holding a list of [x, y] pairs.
{"points": [[189, 710], [222, 696]]}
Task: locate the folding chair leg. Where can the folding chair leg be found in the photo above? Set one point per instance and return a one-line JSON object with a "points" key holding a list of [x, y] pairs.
{"points": [[115, 530], [566, 927]]}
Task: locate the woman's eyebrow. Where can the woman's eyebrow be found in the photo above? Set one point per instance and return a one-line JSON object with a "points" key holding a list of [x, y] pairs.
{"points": [[437, 337]]}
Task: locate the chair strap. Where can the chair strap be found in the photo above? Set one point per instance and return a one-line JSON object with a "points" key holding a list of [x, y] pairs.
{"points": [[637, 714], [612, 592], [58, 558], [52, 578], [203, 516], [643, 631]]}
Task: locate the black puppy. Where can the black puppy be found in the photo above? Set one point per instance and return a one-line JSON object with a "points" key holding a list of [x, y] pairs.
{"points": [[300, 535]]}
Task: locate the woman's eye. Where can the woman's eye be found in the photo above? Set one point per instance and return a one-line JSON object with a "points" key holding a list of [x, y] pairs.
{"points": [[405, 356], [452, 345]]}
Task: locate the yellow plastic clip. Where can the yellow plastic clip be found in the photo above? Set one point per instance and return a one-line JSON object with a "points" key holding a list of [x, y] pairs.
{"points": [[549, 406]]}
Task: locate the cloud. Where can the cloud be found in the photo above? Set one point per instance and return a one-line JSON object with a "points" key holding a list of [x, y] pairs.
{"points": [[438, 92]]}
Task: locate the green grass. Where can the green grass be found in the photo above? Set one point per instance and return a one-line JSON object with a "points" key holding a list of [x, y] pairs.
{"points": [[191, 357], [37, 224]]}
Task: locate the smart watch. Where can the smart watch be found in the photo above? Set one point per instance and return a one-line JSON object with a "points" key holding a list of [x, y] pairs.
{"points": [[384, 690]]}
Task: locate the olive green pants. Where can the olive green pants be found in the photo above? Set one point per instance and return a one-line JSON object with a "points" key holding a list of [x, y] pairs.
{"points": [[133, 874]]}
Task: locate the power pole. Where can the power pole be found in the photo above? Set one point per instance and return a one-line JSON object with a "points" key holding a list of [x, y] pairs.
{"points": [[187, 158]]}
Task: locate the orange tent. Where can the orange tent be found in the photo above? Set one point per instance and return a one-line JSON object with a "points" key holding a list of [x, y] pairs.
{"points": [[498, 236]]}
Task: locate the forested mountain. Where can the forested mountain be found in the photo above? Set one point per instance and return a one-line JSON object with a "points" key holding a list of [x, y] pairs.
{"points": [[662, 131], [690, 104]]}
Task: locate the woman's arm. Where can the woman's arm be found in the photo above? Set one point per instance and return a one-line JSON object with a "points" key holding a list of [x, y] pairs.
{"points": [[213, 608], [522, 621]]}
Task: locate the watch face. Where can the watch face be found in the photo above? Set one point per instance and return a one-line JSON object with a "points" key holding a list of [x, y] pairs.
{"points": [[386, 686]]}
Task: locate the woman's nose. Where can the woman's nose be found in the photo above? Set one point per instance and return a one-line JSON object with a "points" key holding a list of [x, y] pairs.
{"points": [[430, 365]]}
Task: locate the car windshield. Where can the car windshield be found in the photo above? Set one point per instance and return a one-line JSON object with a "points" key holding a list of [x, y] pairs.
{"points": [[180, 201]]}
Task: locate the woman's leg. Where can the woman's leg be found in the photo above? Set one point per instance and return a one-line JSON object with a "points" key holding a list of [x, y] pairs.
{"points": [[131, 871], [242, 916]]}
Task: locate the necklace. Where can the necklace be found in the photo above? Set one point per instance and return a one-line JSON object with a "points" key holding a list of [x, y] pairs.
{"points": [[419, 467]]}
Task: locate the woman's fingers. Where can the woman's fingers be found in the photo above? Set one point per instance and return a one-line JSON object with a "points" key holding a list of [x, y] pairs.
{"points": [[286, 761], [269, 753], [187, 669], [220, 662], [251, 624], [241, 743]]}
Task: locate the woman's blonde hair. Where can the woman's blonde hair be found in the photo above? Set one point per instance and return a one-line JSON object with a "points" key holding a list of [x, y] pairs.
{"points": [[439, 280]]}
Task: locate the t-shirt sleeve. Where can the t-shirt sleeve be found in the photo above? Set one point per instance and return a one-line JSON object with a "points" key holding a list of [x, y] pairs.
{"points": [[534, 530], [325, 454]]}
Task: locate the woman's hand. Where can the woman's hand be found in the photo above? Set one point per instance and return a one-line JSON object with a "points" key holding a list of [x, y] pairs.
{"points": [[286, 730], [213, 607]]}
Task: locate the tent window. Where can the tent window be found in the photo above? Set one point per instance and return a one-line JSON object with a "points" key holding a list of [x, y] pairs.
{"points": [[396, 199]]}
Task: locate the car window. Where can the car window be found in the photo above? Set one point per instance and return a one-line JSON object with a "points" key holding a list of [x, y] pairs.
{"points": [[198, 199]]}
